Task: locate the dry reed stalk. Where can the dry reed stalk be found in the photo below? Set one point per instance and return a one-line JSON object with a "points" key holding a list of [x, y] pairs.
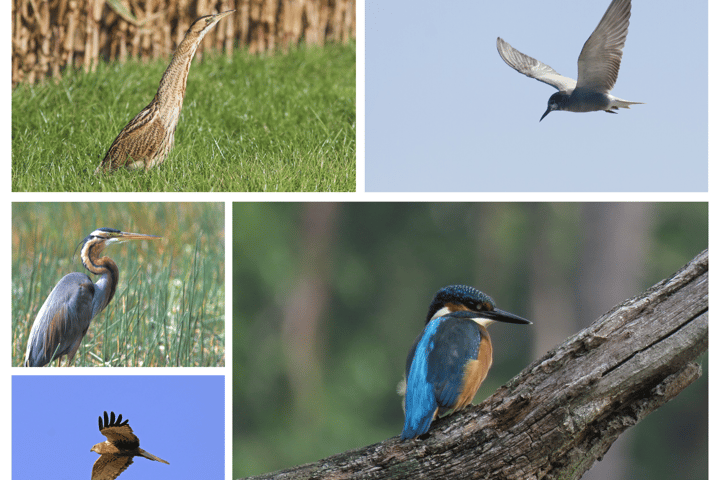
{"points": [[49, 36]]}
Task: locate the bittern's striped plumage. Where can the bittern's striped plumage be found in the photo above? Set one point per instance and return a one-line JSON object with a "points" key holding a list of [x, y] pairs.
{"points": [[148, 138]]}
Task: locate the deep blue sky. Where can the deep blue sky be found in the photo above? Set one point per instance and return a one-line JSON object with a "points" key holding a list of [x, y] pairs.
{"points": [[445, 113], [180, 419]]}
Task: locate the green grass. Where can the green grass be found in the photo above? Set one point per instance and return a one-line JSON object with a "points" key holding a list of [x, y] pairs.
{"points": [[169, 306], [280, 123]]}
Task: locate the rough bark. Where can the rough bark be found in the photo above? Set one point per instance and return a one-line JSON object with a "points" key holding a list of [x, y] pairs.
{"points": [[562, 413]]}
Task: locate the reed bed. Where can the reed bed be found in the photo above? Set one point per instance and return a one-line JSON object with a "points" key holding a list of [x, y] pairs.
{"points": [[49, 36]]}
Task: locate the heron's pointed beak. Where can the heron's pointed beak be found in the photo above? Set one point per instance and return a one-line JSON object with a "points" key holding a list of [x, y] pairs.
{"points": [[122, 236]]}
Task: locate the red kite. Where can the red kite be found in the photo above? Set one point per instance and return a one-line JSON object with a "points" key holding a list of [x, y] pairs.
{"points": [[117, 452]]}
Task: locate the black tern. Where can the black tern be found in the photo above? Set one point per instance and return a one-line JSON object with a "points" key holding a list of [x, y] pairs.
{"points": [[598, 66]]}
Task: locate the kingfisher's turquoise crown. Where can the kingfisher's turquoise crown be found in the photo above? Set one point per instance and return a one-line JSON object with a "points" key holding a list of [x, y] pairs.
{"points": [[460, 294]]}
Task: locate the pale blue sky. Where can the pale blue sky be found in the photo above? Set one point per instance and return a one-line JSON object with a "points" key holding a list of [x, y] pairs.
{"points": [[445, 113], [180, 419]]}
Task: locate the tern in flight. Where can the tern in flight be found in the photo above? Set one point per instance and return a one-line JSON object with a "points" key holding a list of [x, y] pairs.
{"points": [[598, 66]]}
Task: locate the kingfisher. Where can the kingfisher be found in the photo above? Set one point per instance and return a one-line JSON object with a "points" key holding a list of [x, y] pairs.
{"points": [[451, 357]]}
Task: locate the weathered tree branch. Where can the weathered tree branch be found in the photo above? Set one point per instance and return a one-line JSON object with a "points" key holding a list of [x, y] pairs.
{"points": [[565, 410]]}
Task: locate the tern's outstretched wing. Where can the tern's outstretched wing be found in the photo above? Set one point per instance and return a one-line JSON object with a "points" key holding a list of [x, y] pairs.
{"points": [[533, 68], [599, 61]]}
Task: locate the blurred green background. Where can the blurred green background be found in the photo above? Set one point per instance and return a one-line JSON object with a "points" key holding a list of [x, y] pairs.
{"points": [[328, 298], [169, 307]]}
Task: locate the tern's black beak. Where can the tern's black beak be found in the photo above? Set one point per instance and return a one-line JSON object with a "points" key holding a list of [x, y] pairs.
{"points": [[549, 109]]}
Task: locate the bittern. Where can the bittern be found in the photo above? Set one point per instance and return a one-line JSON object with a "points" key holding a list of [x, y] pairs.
{"points": [[64, 318], [147, 140]]}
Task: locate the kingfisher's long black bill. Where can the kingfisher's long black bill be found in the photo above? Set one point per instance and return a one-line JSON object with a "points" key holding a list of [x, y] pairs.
{"points": [[545, 114], [507, 317]]}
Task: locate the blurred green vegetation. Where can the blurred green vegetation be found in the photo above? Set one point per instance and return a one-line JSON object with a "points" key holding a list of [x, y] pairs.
{"points": [[169, 306], [364, 273]]}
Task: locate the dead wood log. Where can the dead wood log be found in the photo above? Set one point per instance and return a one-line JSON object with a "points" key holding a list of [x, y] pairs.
{"points": [[562, 413]]}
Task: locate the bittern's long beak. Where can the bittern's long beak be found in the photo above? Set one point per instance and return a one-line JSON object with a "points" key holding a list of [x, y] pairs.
{"points": [[219, 16]]}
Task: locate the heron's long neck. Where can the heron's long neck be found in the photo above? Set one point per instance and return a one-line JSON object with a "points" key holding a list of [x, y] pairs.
{"points": [[171, 92], [106, 284]]}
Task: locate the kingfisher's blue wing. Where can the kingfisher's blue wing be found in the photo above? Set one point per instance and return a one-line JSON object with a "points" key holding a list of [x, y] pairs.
{"points": [[460, 343], [435, 369], [420, 403]]}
